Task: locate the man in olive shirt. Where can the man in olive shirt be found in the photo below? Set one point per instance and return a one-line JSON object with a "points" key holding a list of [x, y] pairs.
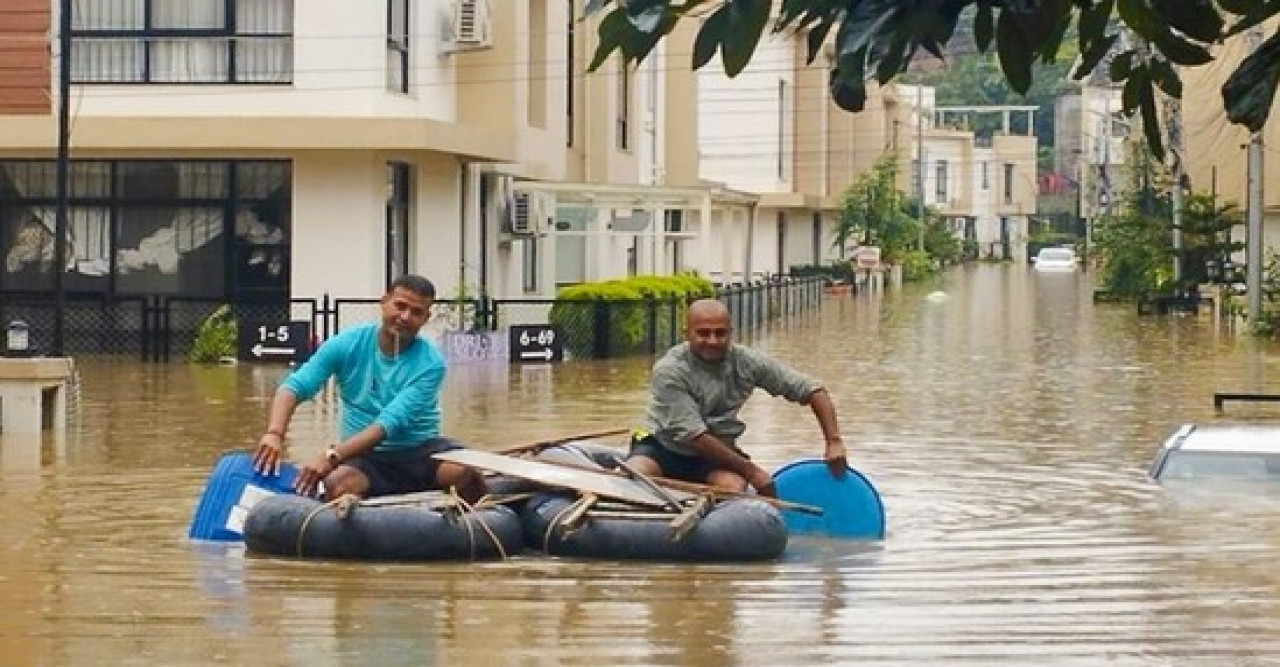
{"points": [[690, 429]]}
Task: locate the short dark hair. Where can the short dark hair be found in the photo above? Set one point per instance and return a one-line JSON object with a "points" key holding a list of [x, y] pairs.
{"points": [[416, 284]]}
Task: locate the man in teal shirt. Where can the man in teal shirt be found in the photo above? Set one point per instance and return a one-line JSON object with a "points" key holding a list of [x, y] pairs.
{"points": [[691, 427], [389, 381]]}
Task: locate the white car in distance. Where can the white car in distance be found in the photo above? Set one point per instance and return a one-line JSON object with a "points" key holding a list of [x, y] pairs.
{"points": [[1056, 259]]}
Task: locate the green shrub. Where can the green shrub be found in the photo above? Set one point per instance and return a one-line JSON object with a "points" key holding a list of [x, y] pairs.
{"points": [[216, 338], [627, 306], [917, 265]]}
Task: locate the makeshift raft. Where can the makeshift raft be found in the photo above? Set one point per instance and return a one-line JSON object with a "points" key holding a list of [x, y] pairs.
{"points": [[608, 510], [405, 529]]}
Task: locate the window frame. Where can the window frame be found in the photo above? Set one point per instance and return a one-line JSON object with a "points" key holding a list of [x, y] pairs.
{"points": [[150, 37]]}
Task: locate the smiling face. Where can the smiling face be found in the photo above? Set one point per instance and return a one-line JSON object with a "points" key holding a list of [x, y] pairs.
{"points": [[708, 330], [404, 311]]}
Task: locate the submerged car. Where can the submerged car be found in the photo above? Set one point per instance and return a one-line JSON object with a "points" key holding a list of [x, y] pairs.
{"points": [[1221, 451], [1055, 259]]}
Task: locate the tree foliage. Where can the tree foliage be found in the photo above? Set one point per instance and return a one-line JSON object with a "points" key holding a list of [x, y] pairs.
{"points": [[873, 212], [876, 40]]}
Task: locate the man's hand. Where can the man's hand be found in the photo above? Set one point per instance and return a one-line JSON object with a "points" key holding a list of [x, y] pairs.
{"points": [[836, 458], [266, 458], [310, 476], [762, 482]]}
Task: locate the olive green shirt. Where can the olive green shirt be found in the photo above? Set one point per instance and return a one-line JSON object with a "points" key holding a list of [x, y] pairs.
{"points": [[691, 396]]}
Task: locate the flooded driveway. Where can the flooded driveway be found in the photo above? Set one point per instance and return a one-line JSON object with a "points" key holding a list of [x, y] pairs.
{"points": [[1008, 426]]}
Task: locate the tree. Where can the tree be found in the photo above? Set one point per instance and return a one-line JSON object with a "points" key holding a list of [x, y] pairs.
{"points": [[878, 39], [873, 212]]}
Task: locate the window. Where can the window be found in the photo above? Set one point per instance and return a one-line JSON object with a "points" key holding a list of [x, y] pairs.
{"points": [[210, 228], [1008, 183], [182, 41], [398, 46], [530, 265], [940, 186], [623, 125], [536, 83], [917, 183], [399, 181], [986, 182], [817, 238], [569, 73]]}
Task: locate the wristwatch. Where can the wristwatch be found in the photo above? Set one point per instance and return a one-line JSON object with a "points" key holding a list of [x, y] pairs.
{"points": [[334, 456]]}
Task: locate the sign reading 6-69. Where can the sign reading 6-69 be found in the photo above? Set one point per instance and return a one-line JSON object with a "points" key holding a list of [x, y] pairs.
{"points": [[536, 343]]}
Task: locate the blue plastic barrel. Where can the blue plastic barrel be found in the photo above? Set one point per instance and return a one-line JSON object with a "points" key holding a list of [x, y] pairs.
{"points": [[233, 488], [851, 505]]}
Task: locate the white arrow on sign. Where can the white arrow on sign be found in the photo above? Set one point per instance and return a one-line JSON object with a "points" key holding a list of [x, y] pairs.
{"points": [[260, 350], [545, 354]]}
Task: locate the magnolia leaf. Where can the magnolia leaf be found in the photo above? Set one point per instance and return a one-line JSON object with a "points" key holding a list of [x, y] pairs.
{"points": [[984, 26], [709, 36], [1014, 52], [1250, 91], [1197, 19], [848, 93], [747, 19], [1090, 58]]}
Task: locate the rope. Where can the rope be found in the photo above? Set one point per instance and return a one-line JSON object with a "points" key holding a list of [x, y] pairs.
{"points": [[551, 527], [302, 530], [471, 509]]}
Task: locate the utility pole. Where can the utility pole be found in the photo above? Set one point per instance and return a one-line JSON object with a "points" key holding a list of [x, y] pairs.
{"points": [[1253, 257], [62, 177], [920, 159], [1175, 147]]}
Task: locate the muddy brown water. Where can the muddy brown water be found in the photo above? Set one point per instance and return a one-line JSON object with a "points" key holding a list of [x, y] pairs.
{"points": [[1008, 427]]}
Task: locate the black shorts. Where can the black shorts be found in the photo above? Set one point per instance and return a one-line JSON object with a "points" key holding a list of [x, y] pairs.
{"points": [[673, 464], [403, 470]]}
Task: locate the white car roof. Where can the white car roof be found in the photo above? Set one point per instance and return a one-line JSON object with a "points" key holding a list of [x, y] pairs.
{"points": [[1243, 438]]}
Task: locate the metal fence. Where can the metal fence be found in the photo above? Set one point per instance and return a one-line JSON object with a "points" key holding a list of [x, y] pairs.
{"points": [[162, 328]]}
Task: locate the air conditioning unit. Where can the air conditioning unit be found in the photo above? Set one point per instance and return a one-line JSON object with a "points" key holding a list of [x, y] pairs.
{"points": [[528, 215], [471, 25]]}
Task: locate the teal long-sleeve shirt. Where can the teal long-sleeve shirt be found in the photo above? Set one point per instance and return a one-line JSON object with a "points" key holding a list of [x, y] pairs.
{"points": [[400, 394]]}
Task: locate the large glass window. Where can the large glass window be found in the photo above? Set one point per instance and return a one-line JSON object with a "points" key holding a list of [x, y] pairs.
{"points": [[182, 41], [150, 227]]}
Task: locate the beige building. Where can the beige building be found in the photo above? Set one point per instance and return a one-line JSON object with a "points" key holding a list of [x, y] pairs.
{"points": [[984, 184], [289, 150], [1215, 149]]}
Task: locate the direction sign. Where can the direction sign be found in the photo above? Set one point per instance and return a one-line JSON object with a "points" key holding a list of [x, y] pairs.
{"points": [[274, 342], [535, 343]]}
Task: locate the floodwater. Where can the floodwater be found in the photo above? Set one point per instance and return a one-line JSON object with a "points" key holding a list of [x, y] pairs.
{"points": [[1008, 427]]}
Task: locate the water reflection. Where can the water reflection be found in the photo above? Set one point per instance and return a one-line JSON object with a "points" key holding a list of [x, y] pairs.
{"points": [[1008, 426]]}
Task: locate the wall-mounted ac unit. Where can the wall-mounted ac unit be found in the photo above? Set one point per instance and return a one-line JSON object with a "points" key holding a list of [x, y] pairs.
{"points": [[471, 29], [529, 215]]}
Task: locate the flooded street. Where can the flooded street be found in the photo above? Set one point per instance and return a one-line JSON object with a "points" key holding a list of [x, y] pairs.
{"points": [[1008, 427]]}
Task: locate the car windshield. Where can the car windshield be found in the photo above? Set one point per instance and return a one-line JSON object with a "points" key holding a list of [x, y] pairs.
{"points": [[1059, 254], [1183, 464]]}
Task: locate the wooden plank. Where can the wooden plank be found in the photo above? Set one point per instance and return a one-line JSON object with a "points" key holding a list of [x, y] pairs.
{"points": [[602, 483], [534, 448]]}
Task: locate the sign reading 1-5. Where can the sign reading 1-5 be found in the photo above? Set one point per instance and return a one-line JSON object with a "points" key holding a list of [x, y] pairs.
{"points": [[275, 341], [535, 343]]}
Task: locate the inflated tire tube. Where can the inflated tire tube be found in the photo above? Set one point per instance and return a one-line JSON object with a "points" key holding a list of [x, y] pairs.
{"points": [[289, 525], [735, 530]]}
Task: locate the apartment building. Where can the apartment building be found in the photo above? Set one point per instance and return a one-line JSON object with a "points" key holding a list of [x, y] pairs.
{"points": [[773, 132], [1091, 139], [245, 151], [1215, 150], [604, 182], [979, 166]]}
